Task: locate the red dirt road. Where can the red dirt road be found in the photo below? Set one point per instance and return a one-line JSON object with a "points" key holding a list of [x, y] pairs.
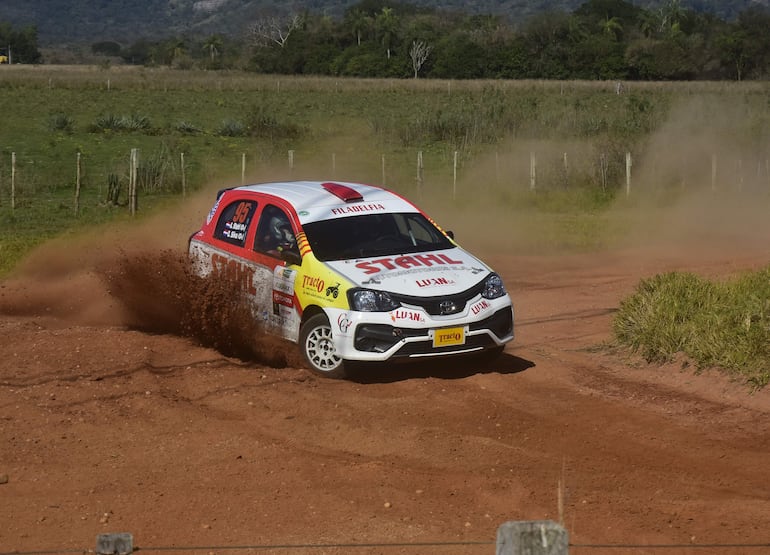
{"points": [[104, 429]]}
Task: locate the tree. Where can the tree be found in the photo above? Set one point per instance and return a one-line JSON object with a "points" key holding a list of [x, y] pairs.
{"points": [[386, 25], [213, 45], [358, 22], [21, 43], [274, 30], [419, 54], [612, 27]]}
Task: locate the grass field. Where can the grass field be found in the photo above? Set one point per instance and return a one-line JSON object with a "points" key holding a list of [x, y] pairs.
{"points": [[518, 166]]}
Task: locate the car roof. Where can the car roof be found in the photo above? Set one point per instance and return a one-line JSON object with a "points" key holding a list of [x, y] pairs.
{"points": [[323, 200]]}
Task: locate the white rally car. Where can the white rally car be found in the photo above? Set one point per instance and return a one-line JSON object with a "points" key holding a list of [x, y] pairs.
{"points": [[353, 272]]}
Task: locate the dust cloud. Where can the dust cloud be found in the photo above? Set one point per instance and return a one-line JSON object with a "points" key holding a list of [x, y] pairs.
{"points": [[699, 184], [136, 275]]}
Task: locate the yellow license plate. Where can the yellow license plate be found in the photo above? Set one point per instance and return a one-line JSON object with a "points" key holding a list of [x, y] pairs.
{"points": [[448, 336]]}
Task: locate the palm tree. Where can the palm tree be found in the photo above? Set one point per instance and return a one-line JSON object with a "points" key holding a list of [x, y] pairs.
{"points": [[386, 25], [612, 27], [214, 45], [359, 23]]}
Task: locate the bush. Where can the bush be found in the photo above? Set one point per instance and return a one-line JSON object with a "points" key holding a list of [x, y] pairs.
{"points": [[723, 325]]}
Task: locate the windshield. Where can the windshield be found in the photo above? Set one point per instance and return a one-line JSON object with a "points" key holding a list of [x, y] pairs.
{"points": [[374, 235]]}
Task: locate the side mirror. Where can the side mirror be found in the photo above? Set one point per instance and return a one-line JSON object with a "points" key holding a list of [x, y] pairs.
{"points": [[451, 234], [291, 257]]}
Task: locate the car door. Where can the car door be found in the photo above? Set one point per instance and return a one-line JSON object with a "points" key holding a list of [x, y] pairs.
{"points": [[276, 233]]}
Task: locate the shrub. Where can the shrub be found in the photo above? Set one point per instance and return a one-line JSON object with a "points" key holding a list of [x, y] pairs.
{"points": [[724, 325]]}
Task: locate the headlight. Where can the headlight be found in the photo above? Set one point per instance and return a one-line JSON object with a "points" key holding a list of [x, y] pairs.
{"points": [[493, 287], [368, 300]]}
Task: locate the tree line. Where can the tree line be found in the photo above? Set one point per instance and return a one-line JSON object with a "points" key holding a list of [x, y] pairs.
{"points": [[601, 39]]}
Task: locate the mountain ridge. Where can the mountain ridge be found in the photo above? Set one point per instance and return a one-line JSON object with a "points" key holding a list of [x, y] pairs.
{"points": [[125, 21]]}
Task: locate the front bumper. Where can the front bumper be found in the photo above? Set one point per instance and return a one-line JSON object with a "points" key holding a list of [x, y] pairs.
{"points": [[378, 336]]}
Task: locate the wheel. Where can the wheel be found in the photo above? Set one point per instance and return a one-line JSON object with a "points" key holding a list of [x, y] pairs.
{"points": [[315, 340]]}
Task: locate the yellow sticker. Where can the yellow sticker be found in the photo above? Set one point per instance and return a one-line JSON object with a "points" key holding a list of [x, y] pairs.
{"points": [[448, 336]]}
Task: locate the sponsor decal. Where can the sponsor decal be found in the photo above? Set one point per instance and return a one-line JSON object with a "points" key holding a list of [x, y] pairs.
{"points": [[408, 315], [430, 282], [333, 290], [213, 211], [316, 283], [281, 298], [479, 306], [344, 322], [405, 262], [357, 208], [240, 273]]}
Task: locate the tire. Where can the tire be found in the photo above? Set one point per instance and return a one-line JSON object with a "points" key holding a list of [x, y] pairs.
{"points": [[315, 341]]}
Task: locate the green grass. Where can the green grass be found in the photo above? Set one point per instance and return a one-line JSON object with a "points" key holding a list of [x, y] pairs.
{"points": [[578, 133], [714, 324]]}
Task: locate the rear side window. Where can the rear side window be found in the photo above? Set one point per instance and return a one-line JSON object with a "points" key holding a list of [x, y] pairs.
{"points": [[233, 223]]}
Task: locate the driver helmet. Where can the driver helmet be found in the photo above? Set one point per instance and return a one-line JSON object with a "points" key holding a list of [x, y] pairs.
{"points": [[282, 233]]}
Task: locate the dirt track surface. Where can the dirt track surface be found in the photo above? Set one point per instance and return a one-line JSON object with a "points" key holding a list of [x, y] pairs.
{"points": [[106, 429]]}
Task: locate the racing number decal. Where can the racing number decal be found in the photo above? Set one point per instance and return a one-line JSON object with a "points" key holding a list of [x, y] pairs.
{"points": [[242, 213]]}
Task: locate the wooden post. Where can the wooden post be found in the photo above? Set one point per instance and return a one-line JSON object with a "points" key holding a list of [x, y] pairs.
{"points": [[184, 178], [454, 176], [383, 170], [532, 171], [291, 161], [419, 170], [565, 165], [603, 169], [77, 186], [13, 180], [334, 164], [543, 537], [132, 183], [243, 168], [628, 174]]}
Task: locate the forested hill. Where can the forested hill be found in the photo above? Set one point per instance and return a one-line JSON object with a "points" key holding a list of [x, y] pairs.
{"points": [[86, 21]]}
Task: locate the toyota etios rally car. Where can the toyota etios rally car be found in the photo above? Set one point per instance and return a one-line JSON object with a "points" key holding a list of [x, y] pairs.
{"points": [[352, 273]]}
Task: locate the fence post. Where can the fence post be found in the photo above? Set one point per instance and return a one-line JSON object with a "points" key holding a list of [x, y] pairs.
{"points": [[291, 161], [383, 170], [334, 165], [184, 177], [77, 186], [243, 168], [539, 537], [628, 174], [532, 171], [13, 180], [454, 175], [132, 183], [419, 171]]}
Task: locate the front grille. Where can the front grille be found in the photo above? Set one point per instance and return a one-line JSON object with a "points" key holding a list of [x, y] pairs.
{"points": [[444, 304]]}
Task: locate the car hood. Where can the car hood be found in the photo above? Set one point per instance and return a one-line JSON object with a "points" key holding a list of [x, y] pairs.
{"points": [[426, 274]]}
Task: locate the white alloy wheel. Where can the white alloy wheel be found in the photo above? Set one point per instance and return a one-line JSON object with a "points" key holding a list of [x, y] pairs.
{"points": [[318, 347]]}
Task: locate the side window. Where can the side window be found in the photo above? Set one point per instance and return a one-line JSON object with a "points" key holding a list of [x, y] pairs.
{"points": [[233, 223], [274, 232]]}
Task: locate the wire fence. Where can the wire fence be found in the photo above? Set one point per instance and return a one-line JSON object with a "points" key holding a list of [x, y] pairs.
{"points": [[24, 179], [428, 548]]}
